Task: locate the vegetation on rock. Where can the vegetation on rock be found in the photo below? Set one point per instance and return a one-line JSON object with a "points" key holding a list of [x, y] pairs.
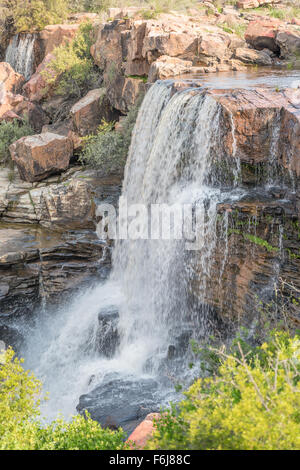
{"points": [[107, 150], [20, 428], [251, 401], [32, 15], [9, 133], [72, 73]]}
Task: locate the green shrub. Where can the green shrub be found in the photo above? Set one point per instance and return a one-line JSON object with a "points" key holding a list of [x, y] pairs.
{"points": [[33, 15], [252, 402], [20, 428], [107, 150], [71, 73], [9, 133]]}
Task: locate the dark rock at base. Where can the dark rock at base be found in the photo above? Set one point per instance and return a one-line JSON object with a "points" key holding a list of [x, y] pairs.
{"points": [[11, 337], [108, 336], [121, 402]]}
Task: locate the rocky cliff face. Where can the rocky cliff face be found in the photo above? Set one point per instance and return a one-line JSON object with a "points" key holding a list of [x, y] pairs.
{"points": [[47, 222]]}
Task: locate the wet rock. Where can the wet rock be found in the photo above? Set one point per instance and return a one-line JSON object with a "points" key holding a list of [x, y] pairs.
{"points": [[257, 114], [11, 337], [108, 337], [41, 155], [120, 402]]}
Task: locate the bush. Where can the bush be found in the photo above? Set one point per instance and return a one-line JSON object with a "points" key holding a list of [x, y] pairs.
{"points": [[107, 150], [33, 15], [9, 133], [71, 73], [253, 402], [19, 410]]}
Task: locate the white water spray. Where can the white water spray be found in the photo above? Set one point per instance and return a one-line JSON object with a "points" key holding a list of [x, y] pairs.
{"points": [[174, 144], [20, 54]]}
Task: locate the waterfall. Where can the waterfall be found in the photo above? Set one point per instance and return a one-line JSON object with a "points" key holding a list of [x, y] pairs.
{"points": [[156, 285], [20, 54]]}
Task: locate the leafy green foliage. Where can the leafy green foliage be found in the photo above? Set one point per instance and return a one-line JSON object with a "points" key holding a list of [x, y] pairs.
{"points": [[71, 73], [33, 15], [251, 402], [19, 410], [9, 133], [79, 434], [107, 150]]}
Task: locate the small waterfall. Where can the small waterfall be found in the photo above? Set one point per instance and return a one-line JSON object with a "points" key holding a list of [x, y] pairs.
{"points": [[20, 54], [158, 286]]}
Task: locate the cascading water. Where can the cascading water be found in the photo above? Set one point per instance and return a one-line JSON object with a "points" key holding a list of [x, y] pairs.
{"points": [[20, 54], [174, 145]]}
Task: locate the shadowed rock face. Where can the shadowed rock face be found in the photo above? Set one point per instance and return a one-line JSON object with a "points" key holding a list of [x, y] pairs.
{"points": [[48, 242]]}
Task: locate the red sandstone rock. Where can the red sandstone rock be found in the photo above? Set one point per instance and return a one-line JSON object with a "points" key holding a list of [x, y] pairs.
{"points": [[89, 111], [124, 91], [56, 35], [9, 79], [261, 34], [41, 155], [36, 88], [143, 432], [166, 67], [254, 114]]}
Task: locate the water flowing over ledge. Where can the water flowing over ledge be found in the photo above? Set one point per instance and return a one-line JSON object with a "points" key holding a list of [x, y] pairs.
{"points": [[19, 54], [186, 148]]}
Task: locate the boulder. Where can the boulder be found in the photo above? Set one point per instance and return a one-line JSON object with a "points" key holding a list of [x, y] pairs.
{"points": [[17, 107], [212, 46], [261, 34], [166, 67], [288, 43], [108, 338], [121, 401], [41, 155], [142, 433], [67, 205], [65, 128], [123, 92], [251, 56], [89, 111]]}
